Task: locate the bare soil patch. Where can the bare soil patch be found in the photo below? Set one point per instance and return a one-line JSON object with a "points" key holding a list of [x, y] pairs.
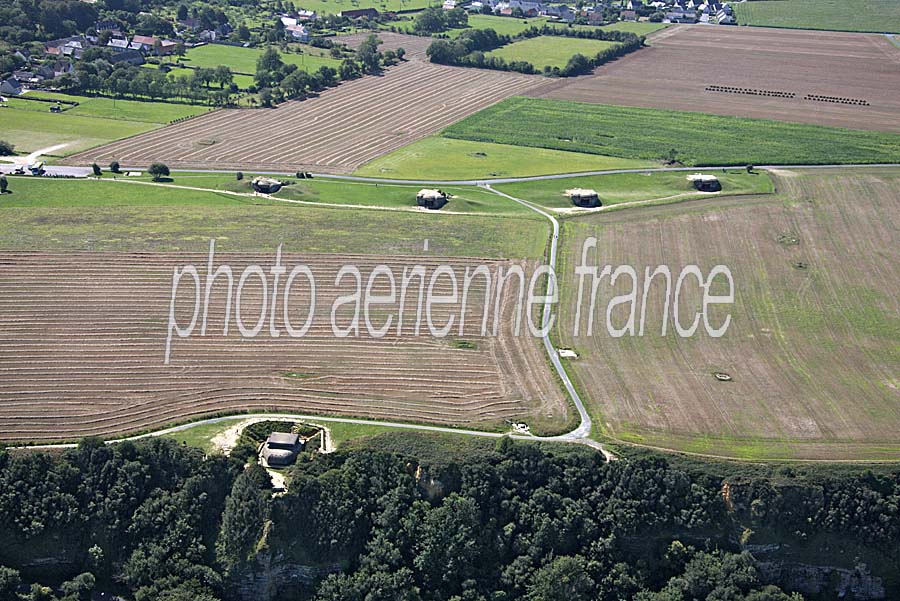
{"points": [[683, 61]]}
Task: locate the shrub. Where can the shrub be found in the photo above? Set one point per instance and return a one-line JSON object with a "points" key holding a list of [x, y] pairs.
{"points": [[114, 167], [96, 169], [158, 171], [239, 175], [6, 148]]}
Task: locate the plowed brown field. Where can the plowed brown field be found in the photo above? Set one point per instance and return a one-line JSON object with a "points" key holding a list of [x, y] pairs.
{"points": [[336, 132], [83, 340], [675, 71], [812, 347]]}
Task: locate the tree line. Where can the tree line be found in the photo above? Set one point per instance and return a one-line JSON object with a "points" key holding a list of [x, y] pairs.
{"points": [[469, 48], [515, 521]]}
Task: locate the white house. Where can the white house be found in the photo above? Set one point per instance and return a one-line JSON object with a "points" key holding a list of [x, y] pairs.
{"points": [[298, 32]]}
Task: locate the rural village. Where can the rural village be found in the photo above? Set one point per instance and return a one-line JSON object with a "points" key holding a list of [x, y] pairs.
{"points": [[449, 300]]}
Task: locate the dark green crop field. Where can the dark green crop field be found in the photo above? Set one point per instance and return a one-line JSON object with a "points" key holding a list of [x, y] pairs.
{"points": [[689, 138]]}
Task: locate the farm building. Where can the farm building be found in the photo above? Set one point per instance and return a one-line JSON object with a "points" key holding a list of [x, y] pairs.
{"points": [[281, 448], [11, 86], [360, 13], [583, 197], [266, 185], [705, 183], [431, 199]]}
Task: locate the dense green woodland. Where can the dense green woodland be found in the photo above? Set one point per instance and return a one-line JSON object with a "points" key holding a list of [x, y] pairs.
{"points": [[158, 521]]}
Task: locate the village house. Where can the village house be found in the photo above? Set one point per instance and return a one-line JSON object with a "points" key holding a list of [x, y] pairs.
{"points": [[298, 32], [72, 47], [508, 8], [27, 78], [628, 15], [132, 57], [118, 43], [10, 87]]}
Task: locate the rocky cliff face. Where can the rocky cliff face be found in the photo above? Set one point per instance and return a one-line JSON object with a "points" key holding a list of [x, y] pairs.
{"points": [[272, 573], [856, 584]]}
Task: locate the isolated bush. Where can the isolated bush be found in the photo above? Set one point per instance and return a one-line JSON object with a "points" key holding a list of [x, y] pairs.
{"points": [[96, 169], [158, 171], [3, 184], [239, 175], [6, 148], [114, 167]]}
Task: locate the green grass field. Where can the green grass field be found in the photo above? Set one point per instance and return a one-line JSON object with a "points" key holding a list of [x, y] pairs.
{"points": [[449, 159], [641, 28], [133, 191], [112, 108], [243, 60], [636, 187], [326, 7], [90, 215], [552, 51], [651, 134], [243, 81], [502, 25], [880, 16], [512, 27], [31, 130]]}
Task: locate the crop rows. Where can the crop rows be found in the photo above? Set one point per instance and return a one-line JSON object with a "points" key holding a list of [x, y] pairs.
{"points": [[83, 344], [336, 132], [668, 75]]}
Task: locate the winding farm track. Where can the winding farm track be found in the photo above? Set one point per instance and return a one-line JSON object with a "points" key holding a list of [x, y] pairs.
{"points": [[336, 132]]}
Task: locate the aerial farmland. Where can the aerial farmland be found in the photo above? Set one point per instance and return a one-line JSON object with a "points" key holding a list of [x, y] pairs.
{"points": [[439, 301]]}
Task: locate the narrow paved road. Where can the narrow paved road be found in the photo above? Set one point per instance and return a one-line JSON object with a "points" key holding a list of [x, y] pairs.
{"points": [[536, 178]]}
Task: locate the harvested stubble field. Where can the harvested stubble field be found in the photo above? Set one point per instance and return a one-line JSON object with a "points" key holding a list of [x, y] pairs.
{"points": [[683, 60], [84, 339], [335, 133], [812, 346]]}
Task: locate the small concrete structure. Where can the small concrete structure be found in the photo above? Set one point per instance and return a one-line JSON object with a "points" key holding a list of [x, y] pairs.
{"points": [[583, 197], [266, 185], [431, 199], [280, 449], [705, 183]]}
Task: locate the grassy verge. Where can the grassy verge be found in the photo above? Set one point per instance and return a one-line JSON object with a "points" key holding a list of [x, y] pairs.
{"points": [[651, 134], [31, 130], [512, 27], [90, 215], [636, 187], [450, 159], [145, 111]]}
